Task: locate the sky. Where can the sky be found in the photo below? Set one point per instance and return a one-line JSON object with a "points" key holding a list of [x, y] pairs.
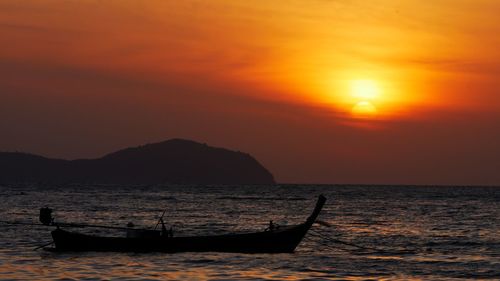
{"points": [[319, 91]]}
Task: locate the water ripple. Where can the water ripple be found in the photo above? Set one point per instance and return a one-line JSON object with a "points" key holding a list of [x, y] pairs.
{"points": [[406, 233]]}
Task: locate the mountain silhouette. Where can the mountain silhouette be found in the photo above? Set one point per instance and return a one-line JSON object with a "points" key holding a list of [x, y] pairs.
{"points": [[173, 161]]}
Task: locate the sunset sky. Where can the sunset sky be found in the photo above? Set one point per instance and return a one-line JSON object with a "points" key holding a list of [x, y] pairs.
{"points": [[319, 91]]}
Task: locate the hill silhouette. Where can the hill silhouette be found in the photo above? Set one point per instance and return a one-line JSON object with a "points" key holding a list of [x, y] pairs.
{"points": [[173, 161]]}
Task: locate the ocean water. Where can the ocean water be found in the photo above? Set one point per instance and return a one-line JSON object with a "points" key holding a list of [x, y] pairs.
{"points": [[376, 232]]}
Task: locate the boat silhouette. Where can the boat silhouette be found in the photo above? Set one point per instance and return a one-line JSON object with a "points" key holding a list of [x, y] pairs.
{"points": [[284, 239]]}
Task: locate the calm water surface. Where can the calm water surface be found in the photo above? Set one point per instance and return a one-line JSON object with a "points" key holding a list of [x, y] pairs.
{"points": [[400, 233]]}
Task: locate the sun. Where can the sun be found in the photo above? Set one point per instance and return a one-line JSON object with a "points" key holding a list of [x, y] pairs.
{"points": [[364, 95], [364, 90]]}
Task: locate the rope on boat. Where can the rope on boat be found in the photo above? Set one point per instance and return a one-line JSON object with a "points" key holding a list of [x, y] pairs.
{"points": [[77, 225], [379, 250], [342, 242], [45, 245], [328, 246]]}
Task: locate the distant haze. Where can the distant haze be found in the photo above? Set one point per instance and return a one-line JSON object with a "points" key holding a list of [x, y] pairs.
{"points": [[374, 92]]}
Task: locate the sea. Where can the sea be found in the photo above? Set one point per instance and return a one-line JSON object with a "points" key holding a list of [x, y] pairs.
{"points": [[366, 232]]}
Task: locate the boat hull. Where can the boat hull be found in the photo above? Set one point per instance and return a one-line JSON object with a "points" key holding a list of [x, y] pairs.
{"points": [[280, 240]]}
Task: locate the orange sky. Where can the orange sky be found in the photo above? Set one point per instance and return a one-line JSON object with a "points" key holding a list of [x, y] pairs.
{"points": [[280, 80]]}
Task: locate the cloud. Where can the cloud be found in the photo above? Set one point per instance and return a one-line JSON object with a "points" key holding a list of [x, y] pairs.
{"points": [[457, 65], [24, 27]]}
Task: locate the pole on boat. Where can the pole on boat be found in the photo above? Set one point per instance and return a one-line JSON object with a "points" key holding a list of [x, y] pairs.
{"points": [[160, 220], [46, 219]]}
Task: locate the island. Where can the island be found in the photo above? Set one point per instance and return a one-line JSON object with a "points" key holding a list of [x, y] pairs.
{"points": [[175, 161]]}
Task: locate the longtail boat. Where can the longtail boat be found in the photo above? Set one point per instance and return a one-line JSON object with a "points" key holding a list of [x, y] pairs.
{"points": [[282, 239]]}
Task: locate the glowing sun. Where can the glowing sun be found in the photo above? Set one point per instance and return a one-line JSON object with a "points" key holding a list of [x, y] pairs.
{"points": [[364, 89], [364, 93]]}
